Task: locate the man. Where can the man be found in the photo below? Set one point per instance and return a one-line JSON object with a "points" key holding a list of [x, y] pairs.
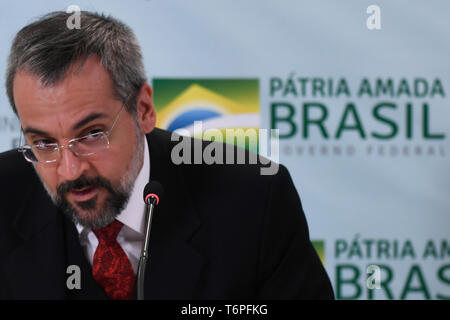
{"points": [[72, 197]]}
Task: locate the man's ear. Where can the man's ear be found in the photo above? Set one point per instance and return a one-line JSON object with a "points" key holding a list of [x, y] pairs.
{"points": [[145, 111]]}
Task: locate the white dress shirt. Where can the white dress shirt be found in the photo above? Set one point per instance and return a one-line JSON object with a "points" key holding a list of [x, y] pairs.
{"points": [[131, 236]]}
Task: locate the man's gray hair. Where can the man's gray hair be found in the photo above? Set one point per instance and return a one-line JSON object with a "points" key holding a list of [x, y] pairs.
{"points": [[47, 48]]}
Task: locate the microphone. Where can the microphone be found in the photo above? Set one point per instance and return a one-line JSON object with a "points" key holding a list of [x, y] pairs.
{"points": [[153, 192]]}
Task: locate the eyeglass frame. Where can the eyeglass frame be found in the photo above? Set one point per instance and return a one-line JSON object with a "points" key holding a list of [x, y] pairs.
{"points": [[69, 145]]}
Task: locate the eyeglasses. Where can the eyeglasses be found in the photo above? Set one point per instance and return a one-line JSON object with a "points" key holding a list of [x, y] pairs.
{"points": [[49, 152]]}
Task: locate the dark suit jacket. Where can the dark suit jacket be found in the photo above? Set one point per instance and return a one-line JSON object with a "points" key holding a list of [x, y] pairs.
{"points": [[221, 232]]}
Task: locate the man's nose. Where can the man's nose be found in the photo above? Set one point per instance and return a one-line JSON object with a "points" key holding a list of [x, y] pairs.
{"points": [[70, 166]]}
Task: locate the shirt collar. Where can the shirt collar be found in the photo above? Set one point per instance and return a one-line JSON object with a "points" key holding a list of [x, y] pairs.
{"points": [[133, 216]]}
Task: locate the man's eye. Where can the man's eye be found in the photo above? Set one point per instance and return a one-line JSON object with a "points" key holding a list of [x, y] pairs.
{"points": [[94, 134], [44, 144]]}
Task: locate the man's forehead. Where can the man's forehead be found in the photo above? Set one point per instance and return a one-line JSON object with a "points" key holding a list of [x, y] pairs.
{"points": [[68, 124], [86, 78], [75, 97], [71, 108]]}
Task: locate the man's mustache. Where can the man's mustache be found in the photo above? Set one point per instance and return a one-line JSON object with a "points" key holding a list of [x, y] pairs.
{"points": [[83, 182]]}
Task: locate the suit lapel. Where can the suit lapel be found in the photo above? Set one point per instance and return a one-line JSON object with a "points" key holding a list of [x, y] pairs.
{"points": [[174, 266], [36, 269], [90, 289]]}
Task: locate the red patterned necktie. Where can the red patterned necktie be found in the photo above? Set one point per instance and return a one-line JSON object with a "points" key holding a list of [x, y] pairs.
{"points": [[111, 267]]}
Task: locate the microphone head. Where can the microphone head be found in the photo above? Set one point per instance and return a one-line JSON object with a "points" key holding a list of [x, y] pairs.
{"points": [[153, 189]]}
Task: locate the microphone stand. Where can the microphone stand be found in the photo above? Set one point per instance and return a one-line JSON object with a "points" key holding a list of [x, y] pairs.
{"points": [[144, 253]]}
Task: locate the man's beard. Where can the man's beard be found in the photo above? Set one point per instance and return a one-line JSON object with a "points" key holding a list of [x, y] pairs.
{"points": [[94, 216]]}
